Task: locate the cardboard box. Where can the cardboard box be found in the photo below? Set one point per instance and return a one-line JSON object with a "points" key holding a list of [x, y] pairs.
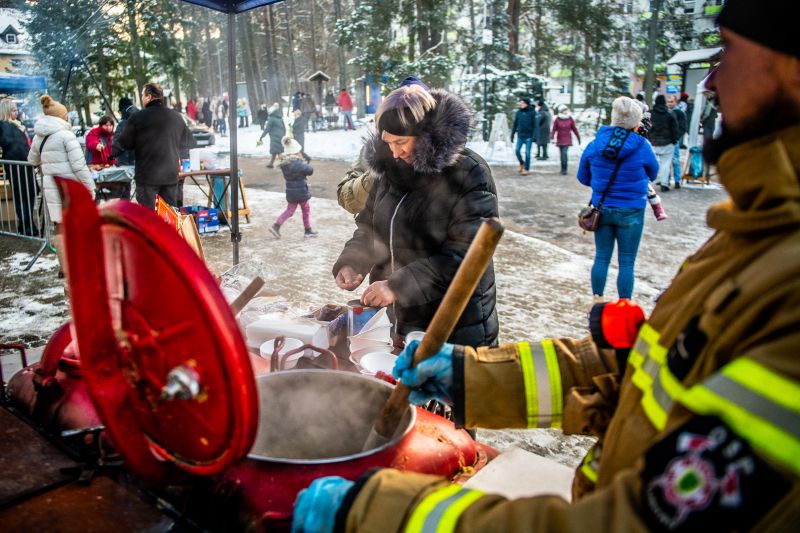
{"points": [[207, 218]]}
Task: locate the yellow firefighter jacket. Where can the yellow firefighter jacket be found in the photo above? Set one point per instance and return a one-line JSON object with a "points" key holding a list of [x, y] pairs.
{"points": [[701, 430]]}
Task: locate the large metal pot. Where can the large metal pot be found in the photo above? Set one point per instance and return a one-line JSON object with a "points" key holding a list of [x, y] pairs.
{"points": [[314, 423], [319, 416]]}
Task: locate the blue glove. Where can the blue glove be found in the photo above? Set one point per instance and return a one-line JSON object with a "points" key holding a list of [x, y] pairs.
{"points": [[431, 379], [316, 507]]}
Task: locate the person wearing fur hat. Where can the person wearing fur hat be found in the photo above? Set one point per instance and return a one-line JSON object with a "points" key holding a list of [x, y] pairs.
{"points": [[276, 129], [56, 150], [425, 207], [563, 128], [15, 145], [295, 171]]}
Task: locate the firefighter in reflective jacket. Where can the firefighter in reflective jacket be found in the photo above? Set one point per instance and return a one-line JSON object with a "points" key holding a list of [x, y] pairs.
{"points": [[698, 425]]}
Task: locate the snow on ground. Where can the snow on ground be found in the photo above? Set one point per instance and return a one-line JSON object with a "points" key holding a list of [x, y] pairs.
{"points": [[346, 145]]}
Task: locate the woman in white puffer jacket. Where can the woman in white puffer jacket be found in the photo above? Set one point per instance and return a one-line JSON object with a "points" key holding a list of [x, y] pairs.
{"points": [[62, 154]]}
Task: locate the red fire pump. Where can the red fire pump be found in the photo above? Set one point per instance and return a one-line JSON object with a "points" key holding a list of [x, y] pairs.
{"points": [[155, 355]]}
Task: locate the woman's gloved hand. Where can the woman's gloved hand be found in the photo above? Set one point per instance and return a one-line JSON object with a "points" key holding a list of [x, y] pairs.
{"points": [[316, 507], [430, 379]]}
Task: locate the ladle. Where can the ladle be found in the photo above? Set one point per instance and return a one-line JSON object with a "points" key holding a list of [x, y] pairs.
{"points": [[444, 320]]}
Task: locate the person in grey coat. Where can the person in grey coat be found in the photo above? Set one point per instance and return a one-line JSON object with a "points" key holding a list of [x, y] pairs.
{"points": [[545, 120], [276, 129]]}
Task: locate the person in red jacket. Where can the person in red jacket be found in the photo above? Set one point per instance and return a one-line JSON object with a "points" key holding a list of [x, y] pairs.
{"points": [[346, 106], [191, 109], [563, 128], [99, 141]]}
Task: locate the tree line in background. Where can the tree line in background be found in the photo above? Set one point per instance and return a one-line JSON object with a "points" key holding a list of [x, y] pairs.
{"points": [[123, 44]]}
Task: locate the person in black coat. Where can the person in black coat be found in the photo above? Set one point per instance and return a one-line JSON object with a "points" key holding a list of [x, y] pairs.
{"points": [[422, 213], [545, 121], [15, 147], [663, 136], [295, 172], [526, 128], [157, 135]]}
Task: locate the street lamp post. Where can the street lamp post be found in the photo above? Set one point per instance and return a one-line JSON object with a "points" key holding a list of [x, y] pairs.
{"points": [[486, 39]]}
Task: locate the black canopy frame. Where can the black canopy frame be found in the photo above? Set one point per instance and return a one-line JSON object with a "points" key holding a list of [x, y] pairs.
{"points": [[232, 8]]}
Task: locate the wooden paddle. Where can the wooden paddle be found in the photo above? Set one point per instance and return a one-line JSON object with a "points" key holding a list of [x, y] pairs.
{"points": [[444, 320]]}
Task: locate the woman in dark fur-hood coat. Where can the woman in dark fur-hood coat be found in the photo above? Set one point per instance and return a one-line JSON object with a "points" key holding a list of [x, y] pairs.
{"points": [[419, 220]]}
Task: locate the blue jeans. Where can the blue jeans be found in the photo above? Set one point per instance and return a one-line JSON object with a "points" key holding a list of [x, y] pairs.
{"points": [[347, 120], [623, 225], [528, 143], [676, 163]]}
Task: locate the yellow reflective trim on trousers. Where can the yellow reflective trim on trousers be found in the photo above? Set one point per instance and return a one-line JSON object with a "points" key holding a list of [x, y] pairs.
{"points": [[449, 520], [765, 382], [761, 434], [427, 505], [556, 392], [586, 467], [529, 380]]}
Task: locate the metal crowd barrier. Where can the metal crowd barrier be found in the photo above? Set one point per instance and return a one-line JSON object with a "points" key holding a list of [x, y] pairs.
{"points": [[23, 213]]}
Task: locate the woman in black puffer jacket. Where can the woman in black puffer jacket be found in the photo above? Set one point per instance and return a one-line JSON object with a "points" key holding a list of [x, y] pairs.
{"points": [[422, 213]]}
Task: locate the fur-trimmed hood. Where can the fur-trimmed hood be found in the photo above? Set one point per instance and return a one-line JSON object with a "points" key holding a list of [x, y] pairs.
{"points": [[446, 128]]}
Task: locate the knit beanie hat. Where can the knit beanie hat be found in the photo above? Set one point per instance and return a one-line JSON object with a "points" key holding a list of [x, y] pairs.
{"points": [[124, 103], [771, 23], [625, 113], [413, 80], [53, 108]]}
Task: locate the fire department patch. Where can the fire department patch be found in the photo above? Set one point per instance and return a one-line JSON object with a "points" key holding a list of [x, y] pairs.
{"points": [[703, 476]]}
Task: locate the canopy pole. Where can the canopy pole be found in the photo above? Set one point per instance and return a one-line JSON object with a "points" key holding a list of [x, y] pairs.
{"points": [[232, 99]]}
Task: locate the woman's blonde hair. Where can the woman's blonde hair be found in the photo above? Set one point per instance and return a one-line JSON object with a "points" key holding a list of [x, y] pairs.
{"points": [[6, 105], [410, 103]]}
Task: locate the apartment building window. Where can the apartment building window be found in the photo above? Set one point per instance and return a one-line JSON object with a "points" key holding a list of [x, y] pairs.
{"points": [[688, 7], [627, 7]]}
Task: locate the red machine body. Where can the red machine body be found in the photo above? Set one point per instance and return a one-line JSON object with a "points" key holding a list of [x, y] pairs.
{"points": [[159, 360]]}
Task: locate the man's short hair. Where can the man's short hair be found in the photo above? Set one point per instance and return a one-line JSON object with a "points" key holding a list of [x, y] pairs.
{"points": [[105, 119], [154, 90]]}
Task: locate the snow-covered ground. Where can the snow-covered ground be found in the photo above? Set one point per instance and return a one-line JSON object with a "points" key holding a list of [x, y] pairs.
{"points": [[346, 145]]}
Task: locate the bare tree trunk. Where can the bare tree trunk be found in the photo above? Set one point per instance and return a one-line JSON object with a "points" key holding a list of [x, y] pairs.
{"points": [[313, 26], [256, 64], [290, 43], [513, 10], [252, 96], [538, 30], [276, 76], [210, 59], [176, 89], [337, 10], [136, 57]]}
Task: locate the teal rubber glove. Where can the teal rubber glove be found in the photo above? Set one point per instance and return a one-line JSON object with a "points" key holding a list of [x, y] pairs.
{"points": [[432, 379], [316, 507]]}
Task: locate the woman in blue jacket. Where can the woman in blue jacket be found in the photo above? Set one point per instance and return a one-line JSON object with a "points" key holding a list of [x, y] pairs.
{"points": [[622, 212]]}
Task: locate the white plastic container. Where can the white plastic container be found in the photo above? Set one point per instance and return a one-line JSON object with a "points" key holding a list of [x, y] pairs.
{"points": [[373, 362], [194, 158], [306, 331]]}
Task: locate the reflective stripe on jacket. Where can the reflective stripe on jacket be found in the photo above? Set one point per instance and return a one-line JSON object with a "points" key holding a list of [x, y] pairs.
{"points": [[720, 347]]}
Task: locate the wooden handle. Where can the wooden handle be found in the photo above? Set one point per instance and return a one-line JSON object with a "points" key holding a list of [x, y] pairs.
{"points": [[247, 294], [444, 320]]}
